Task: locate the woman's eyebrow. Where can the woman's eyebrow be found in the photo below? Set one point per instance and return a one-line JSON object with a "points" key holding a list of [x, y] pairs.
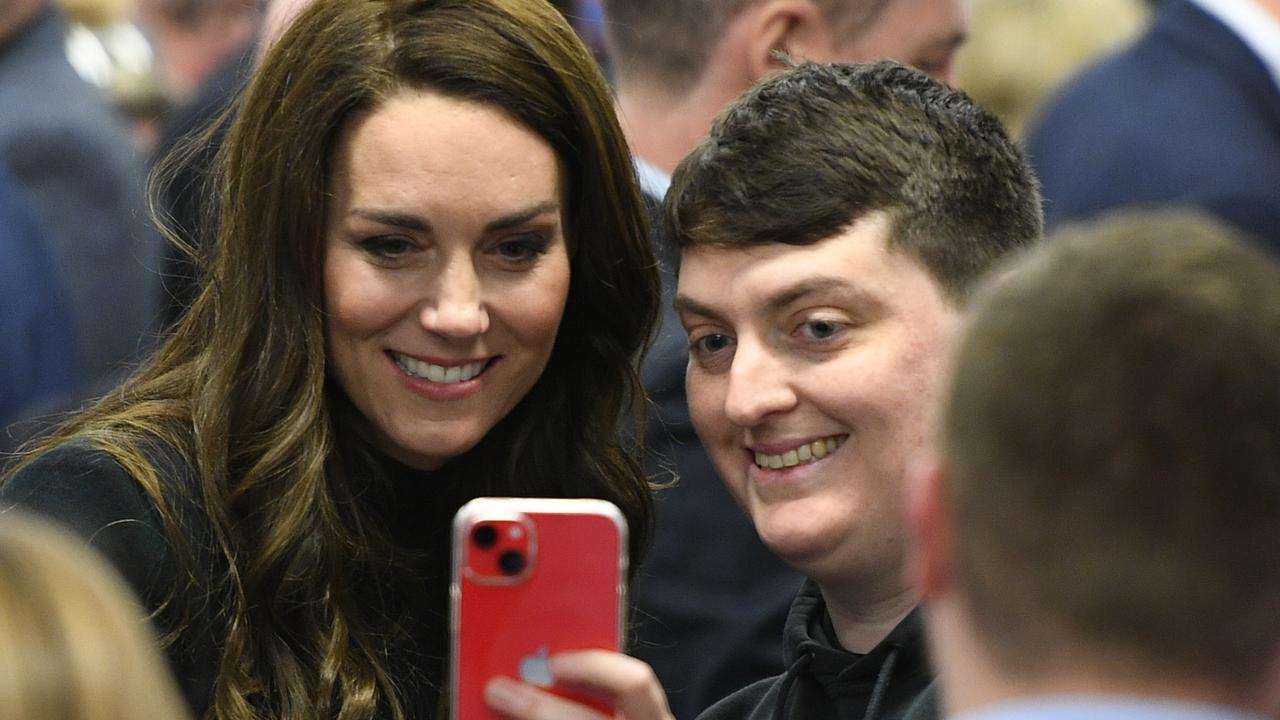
{"points": [[410, 221], [520, 217], [395, 218]]}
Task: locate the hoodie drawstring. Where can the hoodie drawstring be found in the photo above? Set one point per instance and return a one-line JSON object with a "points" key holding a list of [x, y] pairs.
{"points": [[881, 686], [789, 679]]}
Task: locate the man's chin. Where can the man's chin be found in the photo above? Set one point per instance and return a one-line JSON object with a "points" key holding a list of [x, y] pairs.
{"points": [[799, 546]]}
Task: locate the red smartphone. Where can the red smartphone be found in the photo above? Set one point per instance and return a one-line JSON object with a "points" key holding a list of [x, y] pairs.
{"points": [[532, 577]]}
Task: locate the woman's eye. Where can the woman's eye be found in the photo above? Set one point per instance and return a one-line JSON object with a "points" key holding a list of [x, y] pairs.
{"points": [[386, 247], [522, 249]]}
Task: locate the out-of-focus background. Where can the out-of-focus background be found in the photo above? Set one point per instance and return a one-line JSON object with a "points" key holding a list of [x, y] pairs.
{"points": [[151, 56], [94, 92]]}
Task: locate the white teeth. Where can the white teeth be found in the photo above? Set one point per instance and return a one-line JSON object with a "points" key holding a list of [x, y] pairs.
{"points": [[804, 454], [438, 373]]}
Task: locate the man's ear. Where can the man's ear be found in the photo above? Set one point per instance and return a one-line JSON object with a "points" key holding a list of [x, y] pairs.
{"points": [[929, 527], [795, 29]]}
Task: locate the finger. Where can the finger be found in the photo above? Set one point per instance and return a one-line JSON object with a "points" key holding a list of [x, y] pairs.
{"points": [[635, 689], [522, 701]]}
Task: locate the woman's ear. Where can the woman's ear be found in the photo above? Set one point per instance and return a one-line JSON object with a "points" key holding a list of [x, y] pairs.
{"points": [[929, 527]]}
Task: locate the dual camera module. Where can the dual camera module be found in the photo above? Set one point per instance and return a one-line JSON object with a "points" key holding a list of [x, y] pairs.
{"points": [[500, 551], [510, 561]]}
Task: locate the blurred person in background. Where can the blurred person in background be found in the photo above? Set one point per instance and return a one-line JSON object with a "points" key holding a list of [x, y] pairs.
{"points": [[192, 39], [1187, 114], [712, 600], [1020, 51], [677, 63], [1095, 538], [109, 51], [74, 643], [205, 49], [35, 325], [74, 162]]}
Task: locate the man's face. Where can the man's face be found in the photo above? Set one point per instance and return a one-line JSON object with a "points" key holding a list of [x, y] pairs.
{"points": [[924, 34], [813, 372]]}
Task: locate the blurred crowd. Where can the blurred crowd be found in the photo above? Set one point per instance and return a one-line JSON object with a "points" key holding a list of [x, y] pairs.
{"points": [[95, 94]]}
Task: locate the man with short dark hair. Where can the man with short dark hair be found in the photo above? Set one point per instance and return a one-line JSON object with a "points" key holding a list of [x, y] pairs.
{"points": [[710, 598], [831, 228], [1098, 537]]}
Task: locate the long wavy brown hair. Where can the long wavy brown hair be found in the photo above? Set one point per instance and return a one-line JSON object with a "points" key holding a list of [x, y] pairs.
{"points": [[240, 390]]}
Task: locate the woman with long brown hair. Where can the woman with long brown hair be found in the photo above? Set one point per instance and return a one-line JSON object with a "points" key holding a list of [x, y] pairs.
{"points": [[431, 281]]}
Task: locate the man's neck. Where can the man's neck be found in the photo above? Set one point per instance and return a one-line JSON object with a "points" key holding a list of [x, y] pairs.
{"points": [[973, 679], [660, 128], [861, 622], [1098, 688]]}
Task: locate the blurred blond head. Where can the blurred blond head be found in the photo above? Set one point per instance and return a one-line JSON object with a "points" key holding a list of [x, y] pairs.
{"points": [[74, 645], [1020, 51], [97, 13]]}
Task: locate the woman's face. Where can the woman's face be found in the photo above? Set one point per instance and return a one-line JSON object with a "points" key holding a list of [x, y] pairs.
{"points": [[445, 272]]}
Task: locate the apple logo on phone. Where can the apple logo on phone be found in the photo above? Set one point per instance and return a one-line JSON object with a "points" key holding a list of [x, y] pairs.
{"points": [[535, 669]]}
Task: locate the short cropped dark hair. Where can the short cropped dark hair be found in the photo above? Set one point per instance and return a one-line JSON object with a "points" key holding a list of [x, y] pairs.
{"points": [[1113, 433], [670, 41], [810, 150]]}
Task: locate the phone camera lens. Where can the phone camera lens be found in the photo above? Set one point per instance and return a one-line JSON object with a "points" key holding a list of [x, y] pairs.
{"points": [[511, 562], [484, 536]]}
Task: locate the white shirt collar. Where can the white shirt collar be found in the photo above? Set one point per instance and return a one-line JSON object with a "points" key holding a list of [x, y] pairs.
{"points": [[653, 181], [1255, 27]]}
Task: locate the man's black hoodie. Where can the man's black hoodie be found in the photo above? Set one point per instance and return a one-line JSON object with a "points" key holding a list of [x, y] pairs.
{"points": [[826, 682]]}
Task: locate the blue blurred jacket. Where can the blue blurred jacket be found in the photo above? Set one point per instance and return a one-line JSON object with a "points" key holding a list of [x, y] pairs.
{"points": [[1187, 115], [37, 359]]}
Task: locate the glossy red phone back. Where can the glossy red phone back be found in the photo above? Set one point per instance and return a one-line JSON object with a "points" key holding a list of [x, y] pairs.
{"points": [[532, 577]]}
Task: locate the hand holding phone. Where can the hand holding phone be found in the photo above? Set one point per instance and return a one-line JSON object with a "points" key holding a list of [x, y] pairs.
{"points": [[533, 577], [631, 683]]}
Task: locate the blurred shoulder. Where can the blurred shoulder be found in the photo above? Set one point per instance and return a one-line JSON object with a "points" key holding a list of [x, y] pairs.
{"points": [[85, 489]]}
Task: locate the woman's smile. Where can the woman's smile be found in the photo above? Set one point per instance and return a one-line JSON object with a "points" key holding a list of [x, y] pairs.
{"points": [[446, 271]]}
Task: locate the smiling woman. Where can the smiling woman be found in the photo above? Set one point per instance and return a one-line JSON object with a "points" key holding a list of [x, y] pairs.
{"points": [[446, 271], [431, 281]]}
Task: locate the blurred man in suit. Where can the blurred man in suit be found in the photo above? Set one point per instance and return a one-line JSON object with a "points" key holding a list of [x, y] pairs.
{"points": [[1189, 114]]}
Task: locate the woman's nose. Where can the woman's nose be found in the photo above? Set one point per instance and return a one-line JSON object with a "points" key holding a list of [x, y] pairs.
{"points": [[457, 308]]}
